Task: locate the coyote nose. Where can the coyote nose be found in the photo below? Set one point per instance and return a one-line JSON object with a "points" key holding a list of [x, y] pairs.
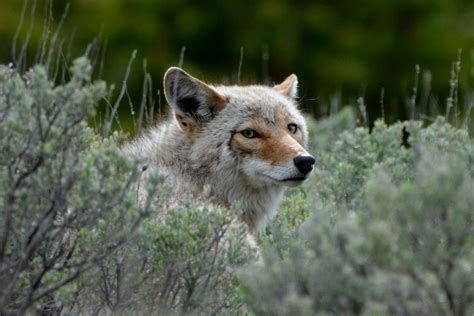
{"points": [[304, 164]]}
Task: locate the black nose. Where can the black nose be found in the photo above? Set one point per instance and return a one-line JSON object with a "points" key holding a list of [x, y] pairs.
{"points": [[304, 164]]}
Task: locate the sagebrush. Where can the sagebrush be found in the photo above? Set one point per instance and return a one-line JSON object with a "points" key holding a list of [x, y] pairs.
{"points": [[384, 226]]}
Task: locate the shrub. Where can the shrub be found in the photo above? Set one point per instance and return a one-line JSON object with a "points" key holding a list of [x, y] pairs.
{"points": [[177, 264], [384, 226], [73, 237], [390, 229], [55, 188]]}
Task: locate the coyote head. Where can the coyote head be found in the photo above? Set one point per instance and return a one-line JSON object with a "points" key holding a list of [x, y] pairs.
{"points": [[242, 139], [258, 129]]}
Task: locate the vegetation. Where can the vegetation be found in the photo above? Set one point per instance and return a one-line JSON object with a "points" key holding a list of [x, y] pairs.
{"points": [[73, 237], [385, 226], [57, 197], [390, 230]]}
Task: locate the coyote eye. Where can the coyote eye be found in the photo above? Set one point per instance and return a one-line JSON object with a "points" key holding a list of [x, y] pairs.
{"points": [[293, 128], [249, 133]]}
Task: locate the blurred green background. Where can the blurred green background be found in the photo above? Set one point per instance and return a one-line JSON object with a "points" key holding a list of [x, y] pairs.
{"points": [[343, 48]]}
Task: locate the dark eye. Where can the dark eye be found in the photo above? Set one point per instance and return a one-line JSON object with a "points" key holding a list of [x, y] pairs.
{"points": [[249, 133], [293, 128]]}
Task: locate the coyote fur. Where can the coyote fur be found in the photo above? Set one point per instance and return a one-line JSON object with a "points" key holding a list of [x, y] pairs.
{"points": [[243, 143]]}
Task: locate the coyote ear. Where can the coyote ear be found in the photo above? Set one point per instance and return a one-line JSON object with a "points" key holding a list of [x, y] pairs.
{"points": [[289, 87], [193, 101]]}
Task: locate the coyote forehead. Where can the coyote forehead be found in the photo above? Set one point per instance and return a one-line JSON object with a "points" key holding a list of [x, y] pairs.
{"points": [[246, 143]]}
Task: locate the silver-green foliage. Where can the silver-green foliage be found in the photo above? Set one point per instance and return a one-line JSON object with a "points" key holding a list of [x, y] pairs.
{"points": [[390, 229], [56, 193], [73, 237], [179, 263], [384, 226]]}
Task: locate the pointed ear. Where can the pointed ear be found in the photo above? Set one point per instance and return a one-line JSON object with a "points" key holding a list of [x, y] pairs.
{"points": [[289, 87], [193, 102]]}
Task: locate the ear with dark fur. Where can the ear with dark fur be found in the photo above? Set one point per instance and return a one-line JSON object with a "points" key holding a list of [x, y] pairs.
{"points": [[289, 87], [193, 101]]}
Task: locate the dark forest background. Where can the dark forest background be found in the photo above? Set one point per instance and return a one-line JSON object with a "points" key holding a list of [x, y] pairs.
{"points": [[339, 49]]}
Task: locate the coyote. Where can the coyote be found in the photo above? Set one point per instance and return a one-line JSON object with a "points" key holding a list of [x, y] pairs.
{"points": [[244, 143]]}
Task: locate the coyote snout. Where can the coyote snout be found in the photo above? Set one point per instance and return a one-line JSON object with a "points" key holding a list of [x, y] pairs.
{"points": [[304, 164], [245, 143]]}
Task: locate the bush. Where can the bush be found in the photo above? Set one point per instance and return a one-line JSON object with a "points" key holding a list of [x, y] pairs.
{"points": [[178, 264], [73, 237], [390, 230], [56, 195], [384, 226]]}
